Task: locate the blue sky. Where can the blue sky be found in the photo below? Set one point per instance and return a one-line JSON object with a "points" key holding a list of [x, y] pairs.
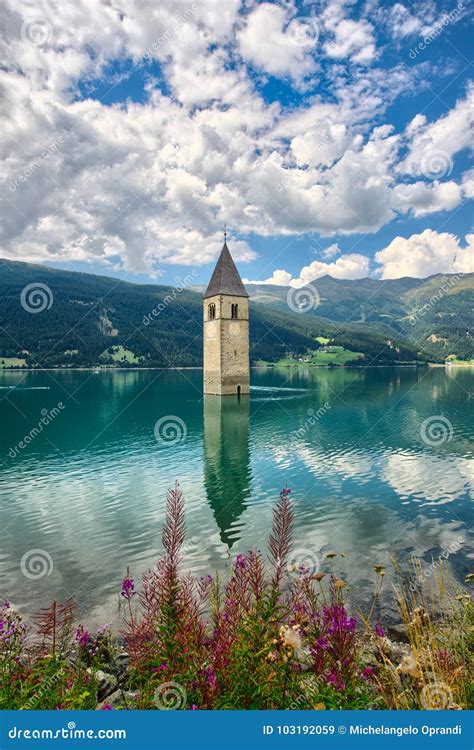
{"points": [[331, 137]]}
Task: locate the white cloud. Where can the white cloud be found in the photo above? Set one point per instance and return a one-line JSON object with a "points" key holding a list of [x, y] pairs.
{"points": [[276, 44], [468, 183], [351, 266], [401, 21], [433, 145], [141, 184], [348, 38], [321, 147], [426, 254], [352, 39], [278, 278], [425, 198], [331, 251]]}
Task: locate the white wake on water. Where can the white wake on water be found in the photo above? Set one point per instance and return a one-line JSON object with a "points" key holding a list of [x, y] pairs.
{"points": [[25, 388]]}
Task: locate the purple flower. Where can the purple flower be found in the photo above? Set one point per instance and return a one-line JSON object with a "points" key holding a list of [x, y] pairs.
{"points": [[367, 672], [128, 587], [379, 631], [322, 642], [332, 678], [82, 636], [336, 619], [285, 492], [211, 678], [106, 707], [240, 562]]}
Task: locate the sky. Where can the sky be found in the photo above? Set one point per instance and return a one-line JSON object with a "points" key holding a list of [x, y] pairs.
{"points": [[330, 137]]}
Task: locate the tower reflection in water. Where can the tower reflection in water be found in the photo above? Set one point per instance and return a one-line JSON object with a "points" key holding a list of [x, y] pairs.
{"points": [[227, 461]]}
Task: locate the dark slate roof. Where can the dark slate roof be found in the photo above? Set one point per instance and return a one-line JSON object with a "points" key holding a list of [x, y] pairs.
{"points": [[225, 279]]}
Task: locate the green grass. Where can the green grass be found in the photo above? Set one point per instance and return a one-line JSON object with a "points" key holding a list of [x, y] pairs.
{"points": [[120, 354], [12, 362], [322, 340], [456, 361], [335, 355]]}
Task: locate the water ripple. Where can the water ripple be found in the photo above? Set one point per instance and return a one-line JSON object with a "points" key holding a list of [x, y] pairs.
{"points": [[91, 490]]}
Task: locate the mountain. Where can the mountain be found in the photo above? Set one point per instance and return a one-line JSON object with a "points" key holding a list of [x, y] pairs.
{"points": [[435, 314], [55, 318]]}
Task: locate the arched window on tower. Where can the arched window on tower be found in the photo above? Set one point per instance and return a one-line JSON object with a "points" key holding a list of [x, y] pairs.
{"points": [[234, 311], [211, 309]]}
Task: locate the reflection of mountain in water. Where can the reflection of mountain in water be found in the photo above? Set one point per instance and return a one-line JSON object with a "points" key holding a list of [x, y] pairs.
{"points": [[226, 460]]}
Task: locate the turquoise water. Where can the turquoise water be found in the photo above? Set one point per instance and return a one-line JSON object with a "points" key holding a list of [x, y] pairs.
{"points": [[378, 461]]}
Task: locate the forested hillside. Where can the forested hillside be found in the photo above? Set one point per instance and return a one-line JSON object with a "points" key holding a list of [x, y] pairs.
{"points": [[435, 314], [89, 320]]}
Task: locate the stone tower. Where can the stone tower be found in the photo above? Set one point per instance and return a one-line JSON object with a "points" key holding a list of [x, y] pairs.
{"points": [[226, 330]]}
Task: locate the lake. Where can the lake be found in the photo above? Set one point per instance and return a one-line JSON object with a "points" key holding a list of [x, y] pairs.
{"points": [[378, 461]]}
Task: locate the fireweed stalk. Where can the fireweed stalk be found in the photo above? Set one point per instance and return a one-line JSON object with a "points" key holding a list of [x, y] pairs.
{"points": [[266, 638]]}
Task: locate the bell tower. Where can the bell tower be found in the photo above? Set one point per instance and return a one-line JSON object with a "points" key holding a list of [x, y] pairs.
{"points": [[226, 330]]}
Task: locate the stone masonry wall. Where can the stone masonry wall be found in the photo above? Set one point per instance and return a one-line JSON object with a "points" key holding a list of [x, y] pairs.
{"points": [[226, 346]]}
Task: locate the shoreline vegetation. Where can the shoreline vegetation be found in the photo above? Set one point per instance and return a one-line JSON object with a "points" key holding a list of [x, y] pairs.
{"points": [[261, 366], [274, 635]]}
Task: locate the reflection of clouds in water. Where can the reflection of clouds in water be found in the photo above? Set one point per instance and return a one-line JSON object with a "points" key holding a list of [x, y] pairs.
{"points": [[94, 517], [367, 537], [364, 527], [372, 535], [353, 464], [372, 526], [282, 456], [430, 532], [428, 478]]}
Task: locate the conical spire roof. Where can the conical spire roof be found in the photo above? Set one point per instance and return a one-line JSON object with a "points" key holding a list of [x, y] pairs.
{"points": [[225, 279]]}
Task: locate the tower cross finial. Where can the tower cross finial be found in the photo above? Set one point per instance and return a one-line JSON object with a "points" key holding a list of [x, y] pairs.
{"points": [[225, 231]]}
